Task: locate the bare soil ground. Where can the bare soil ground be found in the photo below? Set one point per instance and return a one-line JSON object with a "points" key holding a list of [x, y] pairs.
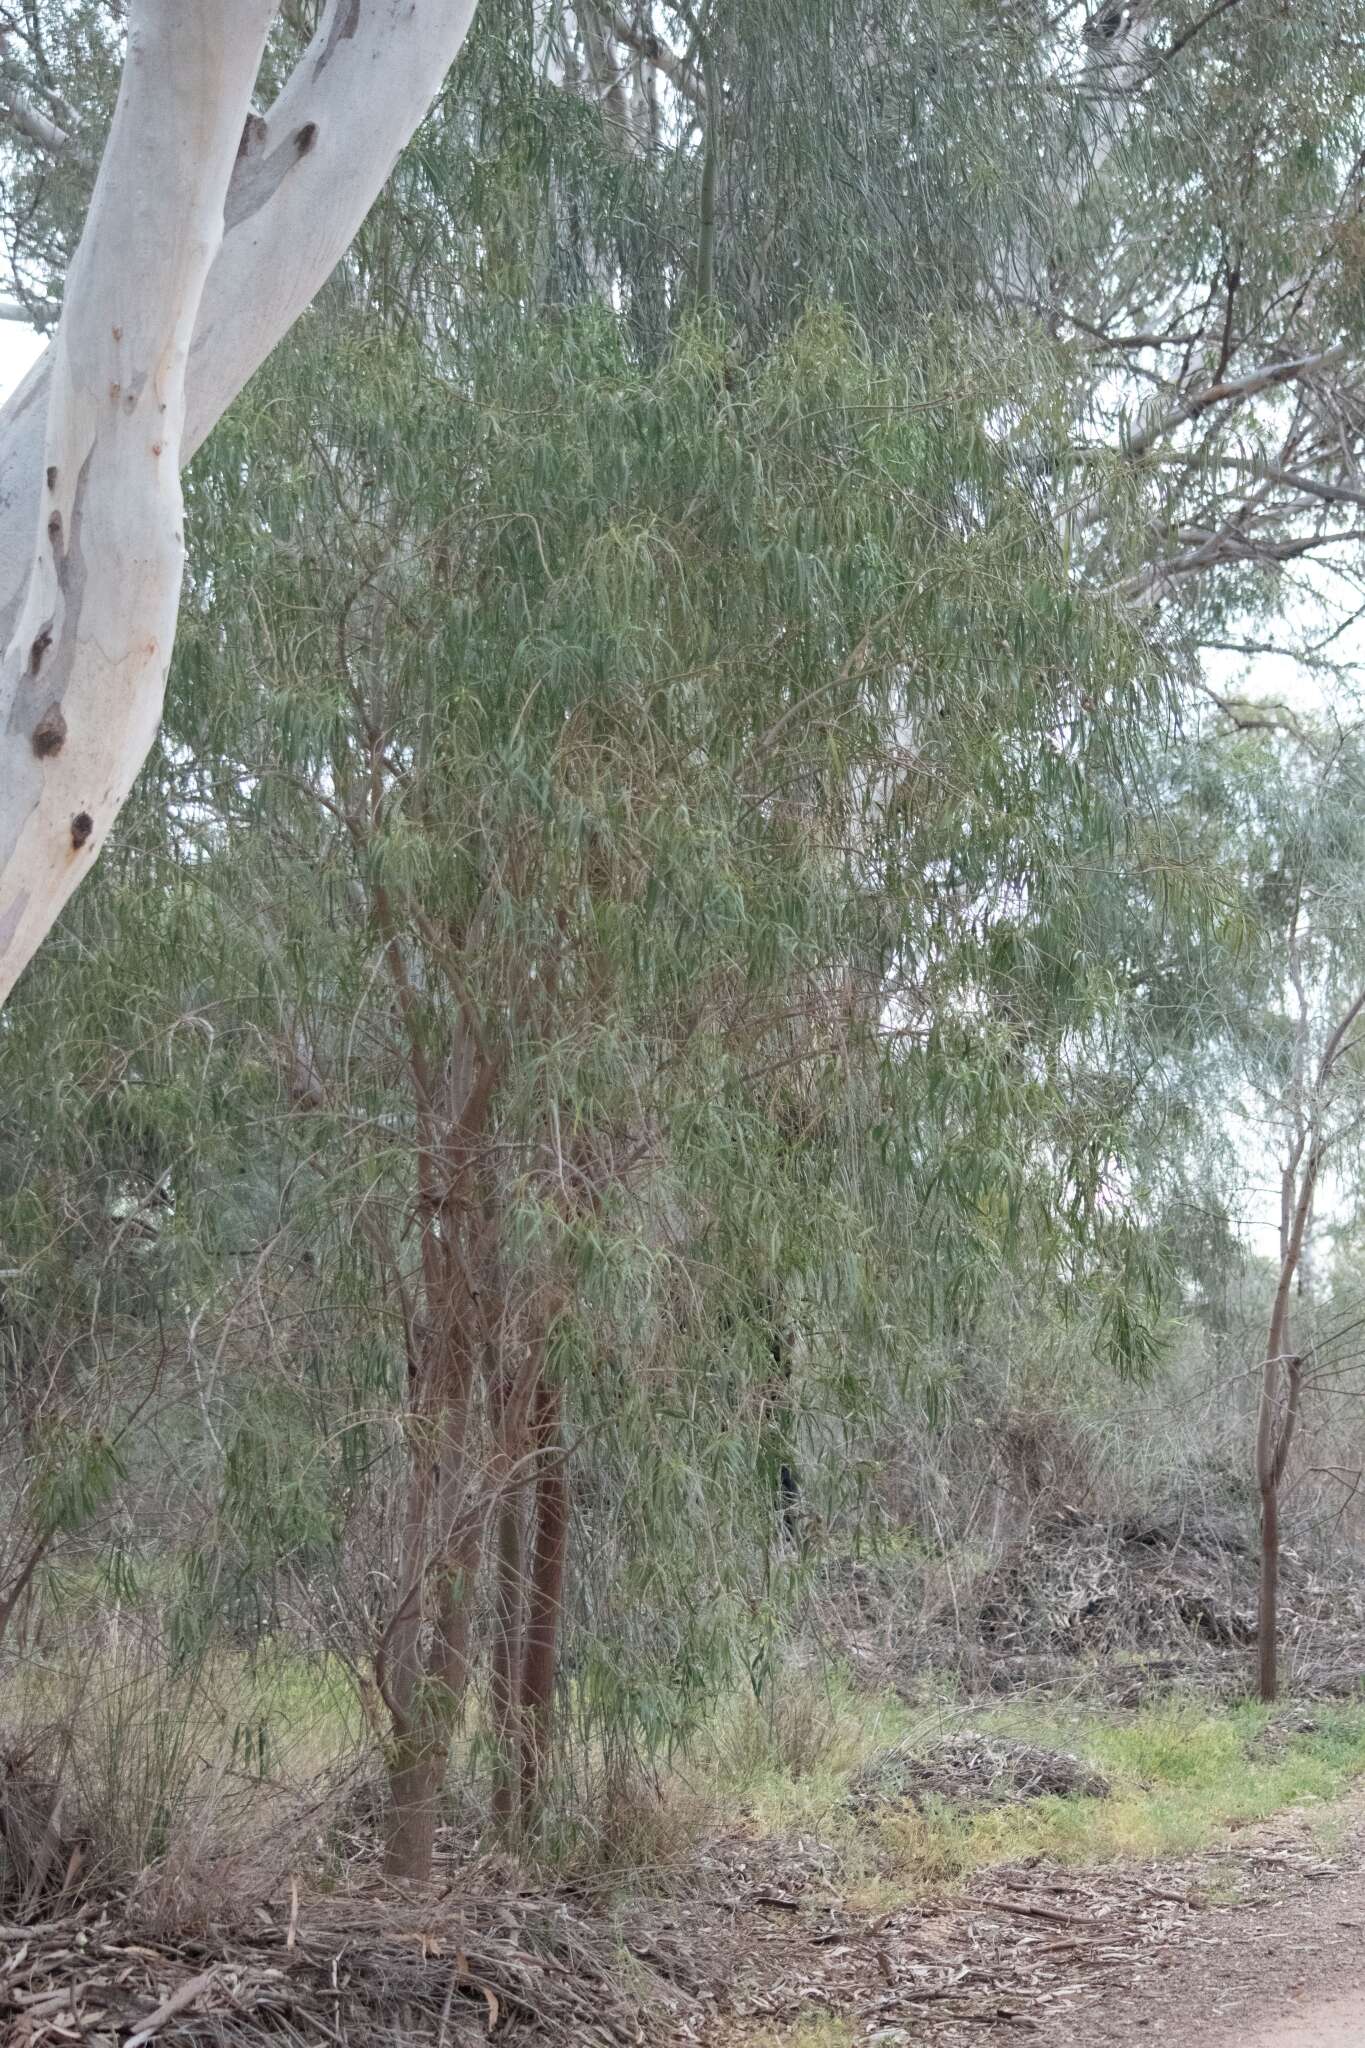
{"points": [[1257, 1945], [1280, 1966], [1336, 2023]]}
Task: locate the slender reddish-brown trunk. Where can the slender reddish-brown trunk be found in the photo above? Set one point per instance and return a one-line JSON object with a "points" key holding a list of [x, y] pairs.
{"points": [[1267, 1474], [416, 1775], [421, 1748], [1298, 1189], [545, 1597], [510, 1601], [423, 1658], [1267, 1618], [1272, 1458], [511, 1396], [1274, 1436], [423, 1682]]}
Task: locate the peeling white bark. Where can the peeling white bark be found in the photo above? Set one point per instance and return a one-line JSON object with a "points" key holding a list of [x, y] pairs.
{"points": [[165, 318]]}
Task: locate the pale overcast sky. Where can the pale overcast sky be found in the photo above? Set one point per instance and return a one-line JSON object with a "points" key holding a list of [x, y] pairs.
{"points": [[18, 347]]}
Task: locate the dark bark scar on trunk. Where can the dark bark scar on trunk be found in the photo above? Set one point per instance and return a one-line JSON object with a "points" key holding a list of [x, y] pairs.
{"points": [[49, 734]]}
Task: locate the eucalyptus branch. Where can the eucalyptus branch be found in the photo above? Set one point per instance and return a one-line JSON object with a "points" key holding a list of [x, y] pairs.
{"points": [[35, 127], [682, 75], [1230, 391]]}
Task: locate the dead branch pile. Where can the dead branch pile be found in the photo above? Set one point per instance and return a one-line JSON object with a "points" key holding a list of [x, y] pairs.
{"points": [[344, 1968], [1182, 1588], [1077, 1586], [972, 1770]]}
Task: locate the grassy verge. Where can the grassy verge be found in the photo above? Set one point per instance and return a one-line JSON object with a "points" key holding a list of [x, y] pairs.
{"points": [[1182, 1775], [240, 1756]]}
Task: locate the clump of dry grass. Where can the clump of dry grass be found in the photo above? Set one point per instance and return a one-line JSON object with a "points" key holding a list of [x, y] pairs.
{"points": [[180, 1785]]}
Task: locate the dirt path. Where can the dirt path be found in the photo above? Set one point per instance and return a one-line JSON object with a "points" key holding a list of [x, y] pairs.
{"points": [[1294, 1979], [1283, 1966], [1259, 1943], [1340, 2024]]}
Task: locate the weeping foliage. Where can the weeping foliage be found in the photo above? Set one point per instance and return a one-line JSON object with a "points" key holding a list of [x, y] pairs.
{"points": [[721, 746], [630, 658]]}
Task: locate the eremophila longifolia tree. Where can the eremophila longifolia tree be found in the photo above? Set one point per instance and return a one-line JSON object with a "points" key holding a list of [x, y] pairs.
{"points": [[657, 754], [657, 704]]}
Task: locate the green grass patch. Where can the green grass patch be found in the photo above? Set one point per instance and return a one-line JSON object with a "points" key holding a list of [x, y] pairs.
{"points": [[1182, 1775], [786, 1761]]}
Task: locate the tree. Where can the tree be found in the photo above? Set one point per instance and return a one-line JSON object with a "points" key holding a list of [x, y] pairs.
{"points": [[210, 229], [1276, 821], [1310, 1083], [609, 834], [654, 723]]}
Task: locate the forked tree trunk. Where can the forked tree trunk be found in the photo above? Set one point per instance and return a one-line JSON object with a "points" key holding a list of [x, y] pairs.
{"points": [[83, 674], [164, 319]]}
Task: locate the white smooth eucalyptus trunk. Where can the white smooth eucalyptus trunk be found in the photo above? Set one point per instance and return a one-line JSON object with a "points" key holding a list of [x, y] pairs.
{"points": [[210, 231], [82, 677]]}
